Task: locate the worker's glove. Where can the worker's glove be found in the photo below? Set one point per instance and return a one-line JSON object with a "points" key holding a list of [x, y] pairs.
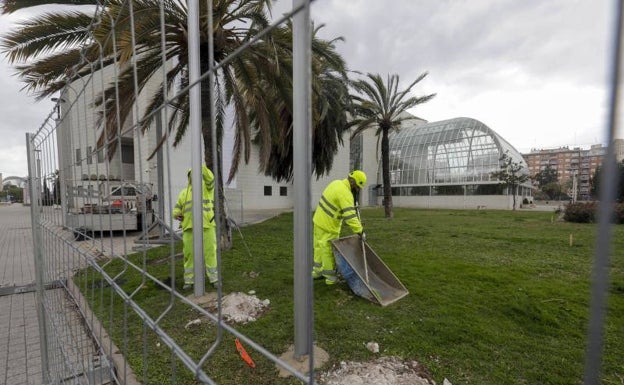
{"points": [[362, 236]]}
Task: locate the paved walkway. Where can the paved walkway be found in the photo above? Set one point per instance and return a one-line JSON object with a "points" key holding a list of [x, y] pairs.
{"points": [[20, 354]]}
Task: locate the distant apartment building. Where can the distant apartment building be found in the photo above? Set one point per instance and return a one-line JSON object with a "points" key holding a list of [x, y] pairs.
{"points": [[574, 166]]}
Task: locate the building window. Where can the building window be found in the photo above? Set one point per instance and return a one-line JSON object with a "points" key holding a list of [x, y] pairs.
{"points": [[355, 152], [89, 155], [100, 155], [283, 191], [448, 190], [78, 157], [127, 153], [268, 191]]}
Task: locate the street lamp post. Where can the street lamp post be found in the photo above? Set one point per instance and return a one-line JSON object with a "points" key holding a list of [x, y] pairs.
{"points": [[63, 136]]}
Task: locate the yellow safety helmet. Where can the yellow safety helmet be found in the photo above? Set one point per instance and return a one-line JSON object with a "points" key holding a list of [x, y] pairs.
{"points": [[359, 177], [206, 174]]}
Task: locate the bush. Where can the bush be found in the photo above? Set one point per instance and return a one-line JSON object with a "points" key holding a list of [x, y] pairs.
{"points": [[618, 213], [525, 201], [580, 212], [540, 195], [586, 213]]}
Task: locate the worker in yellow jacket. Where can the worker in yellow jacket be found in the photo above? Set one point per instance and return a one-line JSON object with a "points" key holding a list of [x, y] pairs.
{"points": [[335, 206], [183, 211]]}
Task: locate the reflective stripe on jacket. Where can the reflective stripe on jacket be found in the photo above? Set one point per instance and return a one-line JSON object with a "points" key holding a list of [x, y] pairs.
{"points": [[184, 204], [337, 205]]}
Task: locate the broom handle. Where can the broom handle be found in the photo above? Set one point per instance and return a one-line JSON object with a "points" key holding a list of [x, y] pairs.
{"points": [[357, 210], [365, 262]]}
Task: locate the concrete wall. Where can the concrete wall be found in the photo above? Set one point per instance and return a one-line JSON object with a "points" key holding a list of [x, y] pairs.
{"points": [[248, 188], [340, 170], [496, 202], [78, 120], [77, 134], [370, 165]]}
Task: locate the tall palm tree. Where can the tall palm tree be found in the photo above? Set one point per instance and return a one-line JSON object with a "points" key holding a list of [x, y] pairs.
{"points": [[62, 46], [330, 98], [381, 105]]}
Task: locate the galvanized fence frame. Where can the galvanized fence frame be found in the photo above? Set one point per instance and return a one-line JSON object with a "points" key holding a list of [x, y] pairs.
{"points": [[71, 251]]}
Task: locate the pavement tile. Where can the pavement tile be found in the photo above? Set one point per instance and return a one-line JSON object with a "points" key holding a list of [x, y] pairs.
{"points": [[19, 329], [20, 353]]}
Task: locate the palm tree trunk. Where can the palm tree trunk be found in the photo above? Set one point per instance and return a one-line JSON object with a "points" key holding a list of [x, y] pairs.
{"points": [[206, 101], [385, 170]]}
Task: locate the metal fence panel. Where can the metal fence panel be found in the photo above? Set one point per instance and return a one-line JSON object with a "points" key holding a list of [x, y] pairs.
{"points": [[104, 177]]}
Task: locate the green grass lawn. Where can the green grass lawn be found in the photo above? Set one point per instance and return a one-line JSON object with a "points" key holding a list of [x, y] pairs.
{"points": [[496, 297]]}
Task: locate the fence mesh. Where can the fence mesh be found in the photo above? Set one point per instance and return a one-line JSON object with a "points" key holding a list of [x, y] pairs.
{"points": [[105, 169]]}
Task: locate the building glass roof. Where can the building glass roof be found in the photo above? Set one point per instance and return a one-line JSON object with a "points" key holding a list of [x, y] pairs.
{"points": [[454, 151]]}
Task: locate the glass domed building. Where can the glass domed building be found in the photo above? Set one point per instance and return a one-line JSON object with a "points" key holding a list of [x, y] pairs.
{"points": [[450, 164]]}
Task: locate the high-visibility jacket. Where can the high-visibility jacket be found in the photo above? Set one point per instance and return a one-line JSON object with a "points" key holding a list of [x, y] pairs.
{"points": [[184, 205], [335, 206]]}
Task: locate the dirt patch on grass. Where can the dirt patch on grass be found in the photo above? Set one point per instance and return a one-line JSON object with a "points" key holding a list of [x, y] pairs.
{"points": [[238, 307], [381, 371], [242, 308]]}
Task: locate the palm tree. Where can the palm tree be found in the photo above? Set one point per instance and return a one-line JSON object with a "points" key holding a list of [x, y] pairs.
{"points": [[330, 98], [382, 106], [58, 47]]}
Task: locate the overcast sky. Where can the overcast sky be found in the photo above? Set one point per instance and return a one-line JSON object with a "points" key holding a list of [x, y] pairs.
{"points": [[535, 71]]}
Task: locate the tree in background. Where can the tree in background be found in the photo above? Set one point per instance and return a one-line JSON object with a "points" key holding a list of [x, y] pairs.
{"points": [[46, 196], [510, 175], [15, 193], [595, 183], [546, 176], [553, 190], [548, 182], [382, 106], [56, 190]]}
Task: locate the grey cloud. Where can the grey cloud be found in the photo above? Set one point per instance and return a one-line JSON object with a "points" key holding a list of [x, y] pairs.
{"points": [[19, 110], [450, 38]]}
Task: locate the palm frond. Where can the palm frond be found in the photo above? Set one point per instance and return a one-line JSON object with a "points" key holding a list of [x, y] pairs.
{"points": [[257, 83], [49, 33], [10, 6]]}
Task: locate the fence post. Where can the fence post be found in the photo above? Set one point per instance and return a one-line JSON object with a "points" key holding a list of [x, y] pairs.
{"points": [[33, 182], [604, 237], [302, 165], [195, 127]]}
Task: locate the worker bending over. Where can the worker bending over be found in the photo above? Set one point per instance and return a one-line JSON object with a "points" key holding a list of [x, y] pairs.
{"points": [[337, 204]]}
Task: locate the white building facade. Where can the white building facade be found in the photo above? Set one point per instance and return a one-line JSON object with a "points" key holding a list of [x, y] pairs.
{"points": [[433, 165]]}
